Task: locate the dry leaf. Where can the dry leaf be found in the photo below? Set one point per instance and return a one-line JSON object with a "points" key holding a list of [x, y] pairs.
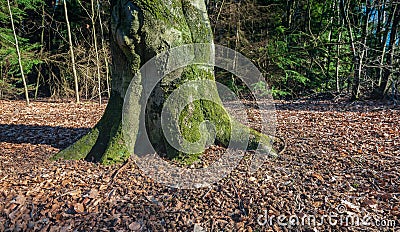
{"points": [[93, 193], [320, 136], [317, 204], [318, 176], [135, 226], [252, 179], [79, 208], [19, 200]]}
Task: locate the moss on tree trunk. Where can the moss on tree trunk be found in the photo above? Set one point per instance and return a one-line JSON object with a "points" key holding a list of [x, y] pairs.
{"points": [[104, 143], [140, 30]]}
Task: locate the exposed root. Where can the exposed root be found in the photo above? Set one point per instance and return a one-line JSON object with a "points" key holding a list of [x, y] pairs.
{"points": [[283, 141], [120, 169], [80, 148]]}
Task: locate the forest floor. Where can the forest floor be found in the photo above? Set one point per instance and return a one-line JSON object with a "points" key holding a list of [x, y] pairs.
{"points": [[341, 164]]}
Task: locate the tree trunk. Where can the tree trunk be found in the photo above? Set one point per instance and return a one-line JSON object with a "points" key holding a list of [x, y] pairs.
{"points": [[71, 49], [21, 68], [104, 49], [141, 30], [96, 50], [388, 69]]}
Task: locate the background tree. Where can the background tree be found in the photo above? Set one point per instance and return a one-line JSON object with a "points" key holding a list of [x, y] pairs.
{"points": [[17, 54], [21, 69], [394, 20], [307, 48], [71, 50], [303, 47]]}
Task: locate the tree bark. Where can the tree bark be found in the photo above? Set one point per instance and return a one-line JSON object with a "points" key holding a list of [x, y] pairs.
{"points": [[21, 68], [139, 31], [388, 69], [103, 48], [71, 49], [96, 50], [358, 54]]}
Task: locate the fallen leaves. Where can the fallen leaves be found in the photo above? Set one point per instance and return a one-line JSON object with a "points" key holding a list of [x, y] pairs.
{"points": [[135, 226], [336, 153], [78, 207], [318, 176]]}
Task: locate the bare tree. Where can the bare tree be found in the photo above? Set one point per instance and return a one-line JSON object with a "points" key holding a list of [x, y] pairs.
{"points": [[71, 49], [103, 48], [388, 69], [358, 48], [92, 18], [18, 53]]}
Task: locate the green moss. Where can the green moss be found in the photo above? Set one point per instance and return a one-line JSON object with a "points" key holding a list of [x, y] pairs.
{"points": [[143, 29], [264, 141], [109, 137], [79, 149], [218, 116], [189, 121], [116, 151], [169, 14], [165, 25], [104, 143], [186, 159], [192, 117], [198, 23]]}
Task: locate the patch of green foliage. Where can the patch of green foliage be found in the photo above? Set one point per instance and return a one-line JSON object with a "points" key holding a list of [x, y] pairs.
{"points": [[10, 74]]}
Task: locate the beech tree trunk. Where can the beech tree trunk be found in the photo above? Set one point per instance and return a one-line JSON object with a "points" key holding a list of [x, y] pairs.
{"points": [[141, 29]]}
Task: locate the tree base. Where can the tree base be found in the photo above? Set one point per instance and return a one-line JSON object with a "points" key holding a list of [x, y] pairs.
{"points": [[141, 30], [104, 143]]}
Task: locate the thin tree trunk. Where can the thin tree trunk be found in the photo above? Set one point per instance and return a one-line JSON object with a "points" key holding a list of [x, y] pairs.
{"points": [[357, 55], [237, 41], [352, 41], [103, 48], [337, 67], [289, 12], [18, 53], [96, 50], [388, 69], [39, 69], [338, 62], [291, 4], [329, 48], [380, 45], [356, 84], [383, 48], [71, 49], [381, 64], [87, 77]]}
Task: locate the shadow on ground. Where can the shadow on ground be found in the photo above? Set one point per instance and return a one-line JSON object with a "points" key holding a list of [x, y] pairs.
{"points": [[58, 137]]}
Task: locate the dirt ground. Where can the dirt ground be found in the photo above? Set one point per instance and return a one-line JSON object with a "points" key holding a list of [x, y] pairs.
{"points": [[340, 167]]}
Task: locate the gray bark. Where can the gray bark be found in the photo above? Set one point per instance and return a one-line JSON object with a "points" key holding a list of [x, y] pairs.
{"points": [[141, 30]]}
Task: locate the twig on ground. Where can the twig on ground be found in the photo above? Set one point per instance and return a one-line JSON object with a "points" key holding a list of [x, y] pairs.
{"points": [[120, 169]]}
